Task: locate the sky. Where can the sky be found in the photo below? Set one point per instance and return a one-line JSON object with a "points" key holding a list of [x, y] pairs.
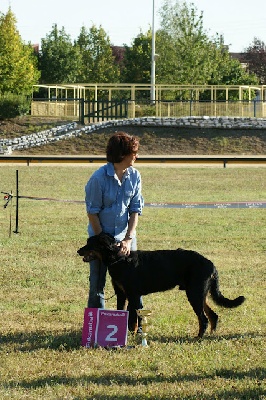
{"points": [[239, 21]]}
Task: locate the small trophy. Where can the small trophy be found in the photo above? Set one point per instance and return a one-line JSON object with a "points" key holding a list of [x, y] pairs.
{"points": [[143, 314]]}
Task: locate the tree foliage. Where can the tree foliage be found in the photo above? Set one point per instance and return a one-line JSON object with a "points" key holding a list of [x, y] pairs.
{"points": [[18, 64], [183, 44], [188, 55], [256, 59], [59, 60], [227, 70], [98, 64], [137, 60]]}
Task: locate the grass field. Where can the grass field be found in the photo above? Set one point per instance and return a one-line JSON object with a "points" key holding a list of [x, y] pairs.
{"points": [[44, 287]]}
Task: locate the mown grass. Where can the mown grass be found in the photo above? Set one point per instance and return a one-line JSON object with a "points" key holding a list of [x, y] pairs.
{"points": [[44, 291]]}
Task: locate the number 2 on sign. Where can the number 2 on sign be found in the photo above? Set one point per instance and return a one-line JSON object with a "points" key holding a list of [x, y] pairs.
{"points": [[110, 338]]}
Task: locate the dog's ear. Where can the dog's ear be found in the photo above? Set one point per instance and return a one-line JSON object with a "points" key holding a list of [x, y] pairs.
{"points": [[106, 238], [108, 241], [106, 235]]}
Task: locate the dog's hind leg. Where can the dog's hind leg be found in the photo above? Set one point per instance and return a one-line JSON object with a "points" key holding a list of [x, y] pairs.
{"points": [[134, 304], [121, 302], [203, 324], [197, 299], [211, 315]]}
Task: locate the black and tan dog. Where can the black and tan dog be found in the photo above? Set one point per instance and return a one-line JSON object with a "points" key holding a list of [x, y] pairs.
{"points": [[146, 272]]}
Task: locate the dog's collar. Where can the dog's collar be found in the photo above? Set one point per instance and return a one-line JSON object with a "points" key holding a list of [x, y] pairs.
{"points": [[122, 258]]}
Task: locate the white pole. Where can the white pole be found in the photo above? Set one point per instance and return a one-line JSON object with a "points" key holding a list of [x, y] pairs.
{"points": [[153, 58]]}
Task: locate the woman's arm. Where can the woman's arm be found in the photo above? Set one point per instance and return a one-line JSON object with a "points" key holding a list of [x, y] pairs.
{"points": [[126, 242], [95, 223], [132, 225]]}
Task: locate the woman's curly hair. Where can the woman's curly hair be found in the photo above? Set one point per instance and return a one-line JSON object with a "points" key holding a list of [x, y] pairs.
{"points": [[120, 145]]}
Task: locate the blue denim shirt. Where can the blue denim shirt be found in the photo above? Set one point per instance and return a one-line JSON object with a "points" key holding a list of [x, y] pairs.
{"points": [[113, 200]]}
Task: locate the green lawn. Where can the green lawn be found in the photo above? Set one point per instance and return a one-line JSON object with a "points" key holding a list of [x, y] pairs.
{"points": [[44, 287]]}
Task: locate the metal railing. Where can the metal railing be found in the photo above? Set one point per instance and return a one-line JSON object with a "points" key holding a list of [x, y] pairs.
{"points": [[105, 110], [163, 159]]}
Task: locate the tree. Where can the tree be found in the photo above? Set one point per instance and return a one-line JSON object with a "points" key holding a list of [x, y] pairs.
{"points": [[186, 53], [59, 60], [184, 47], [98, 63], [226, 70], [256, 59], [137, 60], [118, 54], [18, 64]]}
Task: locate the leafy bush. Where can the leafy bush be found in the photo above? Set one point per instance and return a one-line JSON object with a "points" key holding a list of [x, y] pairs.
{"points": [[143, 110], [12, 105]]}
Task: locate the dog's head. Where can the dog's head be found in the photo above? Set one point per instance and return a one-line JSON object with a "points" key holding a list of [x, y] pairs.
{"points": [[100, 247]]}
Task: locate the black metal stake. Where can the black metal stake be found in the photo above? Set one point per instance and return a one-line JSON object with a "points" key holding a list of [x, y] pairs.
{"points": [[16, 230]]}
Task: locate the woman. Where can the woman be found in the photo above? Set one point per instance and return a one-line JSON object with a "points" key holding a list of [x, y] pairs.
{"points": [[114, 202]]}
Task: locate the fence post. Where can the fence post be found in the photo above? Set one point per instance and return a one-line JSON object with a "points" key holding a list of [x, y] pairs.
{"points": [[81, 111], [126, 108], [190, 107], [255, 106]]}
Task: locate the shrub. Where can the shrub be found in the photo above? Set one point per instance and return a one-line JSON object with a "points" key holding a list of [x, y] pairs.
{"points": [[12, 105], [144, 110]]}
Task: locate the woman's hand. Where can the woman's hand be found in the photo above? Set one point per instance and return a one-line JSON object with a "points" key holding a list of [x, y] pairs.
{"points": [[125, 246]]}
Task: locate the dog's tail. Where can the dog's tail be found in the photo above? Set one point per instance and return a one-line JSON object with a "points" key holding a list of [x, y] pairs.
{"points": [[217, 296]]}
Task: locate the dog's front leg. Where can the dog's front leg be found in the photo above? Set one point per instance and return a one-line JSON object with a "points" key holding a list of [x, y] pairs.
{"points": [[121, 300]]}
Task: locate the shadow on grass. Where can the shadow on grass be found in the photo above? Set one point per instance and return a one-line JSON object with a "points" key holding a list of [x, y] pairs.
{"points": [[106, 380], [211, 338], [71, 340], [68, 340]]}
